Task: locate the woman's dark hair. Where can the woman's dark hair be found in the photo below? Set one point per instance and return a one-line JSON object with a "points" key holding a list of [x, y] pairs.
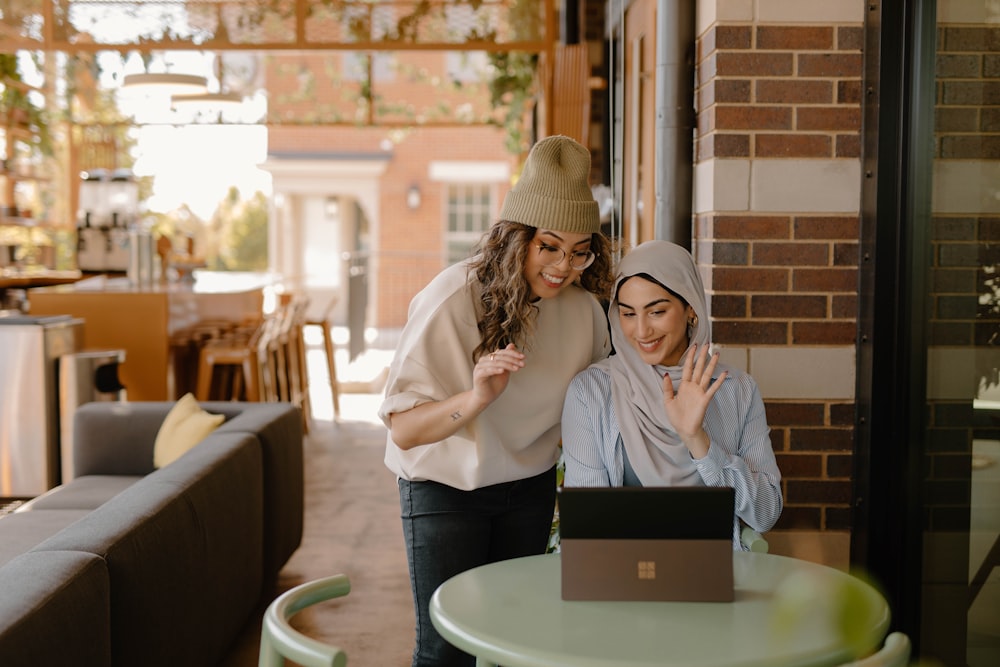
{"points": [[506, 314]]}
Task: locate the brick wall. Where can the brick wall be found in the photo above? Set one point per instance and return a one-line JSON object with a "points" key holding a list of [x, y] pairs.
{"points": [[781, 274], [779, 92]]}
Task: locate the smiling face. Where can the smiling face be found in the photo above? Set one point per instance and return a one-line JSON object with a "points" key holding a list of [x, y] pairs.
{"points": [[546, 280], [654, 321]]}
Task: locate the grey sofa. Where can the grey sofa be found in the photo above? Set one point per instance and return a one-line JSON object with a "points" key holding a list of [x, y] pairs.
{"points": [[126, 565]]}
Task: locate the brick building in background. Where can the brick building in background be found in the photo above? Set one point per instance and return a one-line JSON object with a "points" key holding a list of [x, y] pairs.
{"points": [[395, 202]]}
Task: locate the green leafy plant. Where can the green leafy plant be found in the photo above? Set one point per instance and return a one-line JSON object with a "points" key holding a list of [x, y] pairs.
{"points": [[512, 90], [17, 107]]}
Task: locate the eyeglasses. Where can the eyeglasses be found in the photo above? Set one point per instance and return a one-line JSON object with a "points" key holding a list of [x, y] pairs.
{"points": [[553, 256]]}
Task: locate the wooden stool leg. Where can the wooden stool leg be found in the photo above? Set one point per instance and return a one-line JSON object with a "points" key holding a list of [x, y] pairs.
{"points": [[300, 351], [250, 378], [234, 386], [298, 382], [205, 370], [331, 367], [281, 356]]}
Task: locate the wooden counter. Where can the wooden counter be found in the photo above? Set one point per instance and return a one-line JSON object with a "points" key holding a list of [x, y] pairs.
{"points": [[16, 280], [141, 319], [39, 279]]}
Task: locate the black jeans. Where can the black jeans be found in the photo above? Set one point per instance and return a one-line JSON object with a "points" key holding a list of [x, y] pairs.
{"points": [[449, 531]]}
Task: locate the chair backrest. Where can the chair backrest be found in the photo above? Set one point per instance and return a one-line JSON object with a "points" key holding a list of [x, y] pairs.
{"points": [[279, 640], [753, 541], [895, 652]]}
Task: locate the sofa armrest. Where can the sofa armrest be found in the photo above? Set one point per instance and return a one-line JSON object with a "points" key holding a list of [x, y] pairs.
{"points": [[116, 438], [54, 609]]}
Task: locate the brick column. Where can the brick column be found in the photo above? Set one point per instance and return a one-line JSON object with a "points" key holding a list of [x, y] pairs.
{"points": [[777, 200]]}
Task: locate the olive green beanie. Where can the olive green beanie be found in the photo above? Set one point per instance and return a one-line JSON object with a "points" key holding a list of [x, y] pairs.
{"points": [[554, 189]]}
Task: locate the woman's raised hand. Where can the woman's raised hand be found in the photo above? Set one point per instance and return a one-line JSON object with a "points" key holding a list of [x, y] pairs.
{"points": [[492, 372], [687, 406]]}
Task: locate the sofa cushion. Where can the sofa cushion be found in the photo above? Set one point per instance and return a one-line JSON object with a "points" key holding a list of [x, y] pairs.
{"points": [[84, 493], [184, 427], [21, 531], [54, 610], [183, 549]]}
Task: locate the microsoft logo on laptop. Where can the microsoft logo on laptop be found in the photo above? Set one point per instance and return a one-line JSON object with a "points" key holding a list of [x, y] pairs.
{"points": [[647, 569]]}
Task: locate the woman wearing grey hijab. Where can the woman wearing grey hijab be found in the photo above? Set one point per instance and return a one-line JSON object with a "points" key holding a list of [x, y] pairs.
{"points": [[662, 411]]}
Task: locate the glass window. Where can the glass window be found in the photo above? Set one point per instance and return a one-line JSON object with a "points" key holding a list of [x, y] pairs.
{"points": [[383, 21], [469, 214], [467, 66], [356, 65]]}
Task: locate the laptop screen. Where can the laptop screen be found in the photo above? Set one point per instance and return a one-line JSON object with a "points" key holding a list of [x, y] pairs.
{"points": [[675, 512]]}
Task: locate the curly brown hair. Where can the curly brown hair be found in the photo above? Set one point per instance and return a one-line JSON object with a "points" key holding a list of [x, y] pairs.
{"points": [[506, 314]]}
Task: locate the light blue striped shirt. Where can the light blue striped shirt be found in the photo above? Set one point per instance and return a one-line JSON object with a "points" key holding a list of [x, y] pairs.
{"points": [[740, 454]]}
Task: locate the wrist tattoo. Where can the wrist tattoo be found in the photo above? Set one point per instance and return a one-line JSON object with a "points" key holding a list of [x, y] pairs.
{"points": [[456, 415]]}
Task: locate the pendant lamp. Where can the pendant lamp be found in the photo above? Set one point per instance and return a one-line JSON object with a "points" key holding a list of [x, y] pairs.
{"points": [[165, 82]]}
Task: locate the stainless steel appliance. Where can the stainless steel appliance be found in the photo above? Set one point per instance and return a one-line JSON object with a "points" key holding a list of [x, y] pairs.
{"points": [[30, 348], [90, 375], [108, 206]]}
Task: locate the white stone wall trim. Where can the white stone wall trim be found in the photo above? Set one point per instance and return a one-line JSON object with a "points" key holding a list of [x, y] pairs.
{"points": [[798, 373], [710, 12], [462, 171]]}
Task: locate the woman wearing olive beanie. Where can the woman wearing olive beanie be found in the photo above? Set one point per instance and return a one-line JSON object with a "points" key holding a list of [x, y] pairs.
{"points": [[476, 387]]}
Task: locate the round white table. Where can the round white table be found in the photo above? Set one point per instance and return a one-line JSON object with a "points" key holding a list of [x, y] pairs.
{"points": [[785, 613]]}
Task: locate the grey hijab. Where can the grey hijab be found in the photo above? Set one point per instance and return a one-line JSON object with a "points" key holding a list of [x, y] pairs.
{"points": [[655, 451]]}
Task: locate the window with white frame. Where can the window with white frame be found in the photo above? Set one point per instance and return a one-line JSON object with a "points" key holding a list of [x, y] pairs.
{"points": [[470, 191], [469, 213]]}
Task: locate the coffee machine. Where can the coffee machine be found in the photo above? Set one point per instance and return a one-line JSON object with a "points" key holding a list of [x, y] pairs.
{"points": [[109, 203]]}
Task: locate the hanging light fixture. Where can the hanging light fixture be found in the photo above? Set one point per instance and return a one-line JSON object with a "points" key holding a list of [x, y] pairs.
{"points": [[207, 101], [165, 82]]}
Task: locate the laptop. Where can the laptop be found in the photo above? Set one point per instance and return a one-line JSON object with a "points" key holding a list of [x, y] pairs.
{"points": [[647, 543]]}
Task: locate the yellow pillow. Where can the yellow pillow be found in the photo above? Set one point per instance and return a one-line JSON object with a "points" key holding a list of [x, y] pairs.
{"points": [[184, 427]]}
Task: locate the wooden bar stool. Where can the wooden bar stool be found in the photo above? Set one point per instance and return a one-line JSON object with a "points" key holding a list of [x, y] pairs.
{"points": [[184, 349], [232, 367], [323, 322]]}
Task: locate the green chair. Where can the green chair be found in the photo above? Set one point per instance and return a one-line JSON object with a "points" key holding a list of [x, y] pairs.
{"points": [[753, 540], [280, 641]]}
